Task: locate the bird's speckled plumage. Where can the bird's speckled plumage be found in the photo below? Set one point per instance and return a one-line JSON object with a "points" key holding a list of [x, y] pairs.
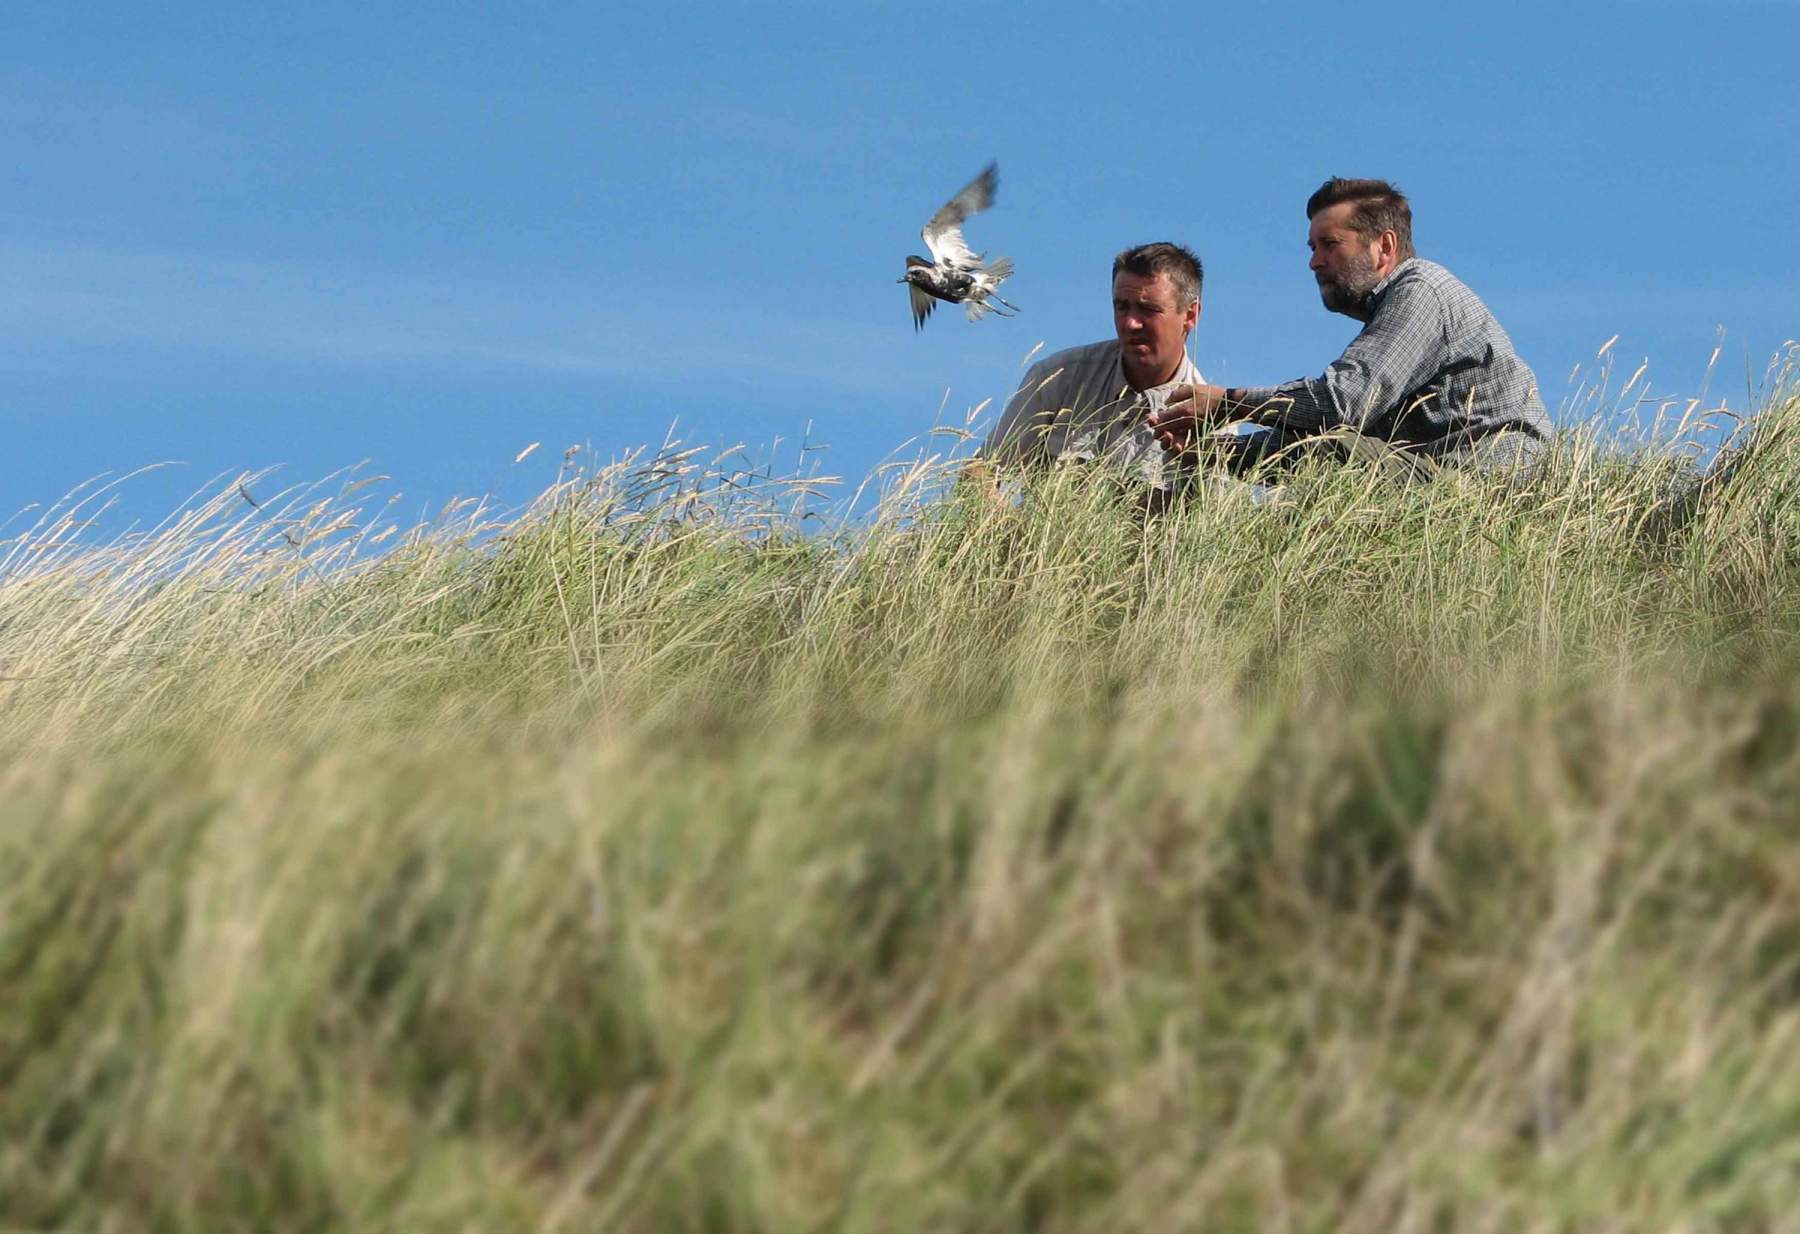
{"points": [[954, 272]]}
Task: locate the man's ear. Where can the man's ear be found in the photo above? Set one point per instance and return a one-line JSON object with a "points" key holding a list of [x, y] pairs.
{"points": [[1193, 313], [1387, 250]]}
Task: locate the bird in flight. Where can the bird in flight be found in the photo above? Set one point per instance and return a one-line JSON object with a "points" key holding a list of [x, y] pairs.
{"points": [[955, 273]]}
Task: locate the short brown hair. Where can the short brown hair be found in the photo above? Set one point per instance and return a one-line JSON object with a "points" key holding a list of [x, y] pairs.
{"points": [[1380, 207], [1175, 260]]}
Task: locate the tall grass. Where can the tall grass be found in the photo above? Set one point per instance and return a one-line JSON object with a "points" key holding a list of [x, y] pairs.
{"points": [[1380, 859]]}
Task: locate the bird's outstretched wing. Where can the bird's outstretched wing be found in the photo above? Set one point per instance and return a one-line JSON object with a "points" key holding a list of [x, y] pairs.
{"points": [[922, 303], [943, 234]]}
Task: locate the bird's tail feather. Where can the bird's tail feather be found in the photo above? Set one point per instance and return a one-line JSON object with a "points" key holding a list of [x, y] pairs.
{"points": [[980, 306], [987, 288]]}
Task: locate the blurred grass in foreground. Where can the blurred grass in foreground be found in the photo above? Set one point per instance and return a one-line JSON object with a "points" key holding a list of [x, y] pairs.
{"points": [[1388, 860]]}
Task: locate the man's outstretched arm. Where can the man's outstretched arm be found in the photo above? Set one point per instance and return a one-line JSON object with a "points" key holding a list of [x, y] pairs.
{"points": [[1398, 352], [1192, 410]]}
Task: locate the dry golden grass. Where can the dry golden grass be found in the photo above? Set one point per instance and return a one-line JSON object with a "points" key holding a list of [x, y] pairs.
{"points": [[1395, 860]]}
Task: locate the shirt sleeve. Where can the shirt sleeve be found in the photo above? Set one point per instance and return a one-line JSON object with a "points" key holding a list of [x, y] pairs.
{"points": [[1399, 351], [1019, 435]]}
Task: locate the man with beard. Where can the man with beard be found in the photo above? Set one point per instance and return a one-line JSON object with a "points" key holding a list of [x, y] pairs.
{"points": [[1431, 380]]}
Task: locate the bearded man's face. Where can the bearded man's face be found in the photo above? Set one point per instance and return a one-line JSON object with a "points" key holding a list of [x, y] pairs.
{"points": [[1343, 260]]}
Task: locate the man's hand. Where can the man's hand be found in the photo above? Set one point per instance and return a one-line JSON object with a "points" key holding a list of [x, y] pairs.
{"points": [[1189, 411], [983, 477]]}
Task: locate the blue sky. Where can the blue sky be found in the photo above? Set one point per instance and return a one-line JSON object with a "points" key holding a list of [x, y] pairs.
{"points": [[243, 235]]}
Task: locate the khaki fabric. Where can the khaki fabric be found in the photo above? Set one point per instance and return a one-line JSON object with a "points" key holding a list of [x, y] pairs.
{"points": [[1075, 406]]}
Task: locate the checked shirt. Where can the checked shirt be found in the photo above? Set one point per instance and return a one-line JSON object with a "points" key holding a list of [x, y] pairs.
{"points": [[1432, 371]]}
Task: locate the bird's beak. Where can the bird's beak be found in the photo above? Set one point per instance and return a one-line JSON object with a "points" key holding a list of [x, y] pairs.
{"points": [[900, 280]]}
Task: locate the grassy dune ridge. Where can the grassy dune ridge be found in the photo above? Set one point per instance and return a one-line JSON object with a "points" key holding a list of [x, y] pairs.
{"points": [[1387, 859]]}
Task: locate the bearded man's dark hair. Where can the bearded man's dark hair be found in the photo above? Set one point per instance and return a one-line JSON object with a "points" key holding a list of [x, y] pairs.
{"points": [[1380, 207]]}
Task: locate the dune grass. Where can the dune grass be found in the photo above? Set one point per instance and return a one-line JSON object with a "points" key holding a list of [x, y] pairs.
{"points": [[1385, 859]]}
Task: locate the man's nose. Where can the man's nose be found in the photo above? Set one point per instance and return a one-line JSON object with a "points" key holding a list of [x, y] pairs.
{"points": [[1316, 262]]}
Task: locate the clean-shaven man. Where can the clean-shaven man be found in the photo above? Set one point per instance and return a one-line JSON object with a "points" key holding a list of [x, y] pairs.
{"points": [[1094, 403]]}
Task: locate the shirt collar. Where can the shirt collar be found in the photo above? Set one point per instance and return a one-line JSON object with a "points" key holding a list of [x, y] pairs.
{"points": [[1372, 301]]}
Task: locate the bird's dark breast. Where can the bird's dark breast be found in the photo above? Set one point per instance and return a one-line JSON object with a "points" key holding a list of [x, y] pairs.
{"points": [[952, 285]]}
